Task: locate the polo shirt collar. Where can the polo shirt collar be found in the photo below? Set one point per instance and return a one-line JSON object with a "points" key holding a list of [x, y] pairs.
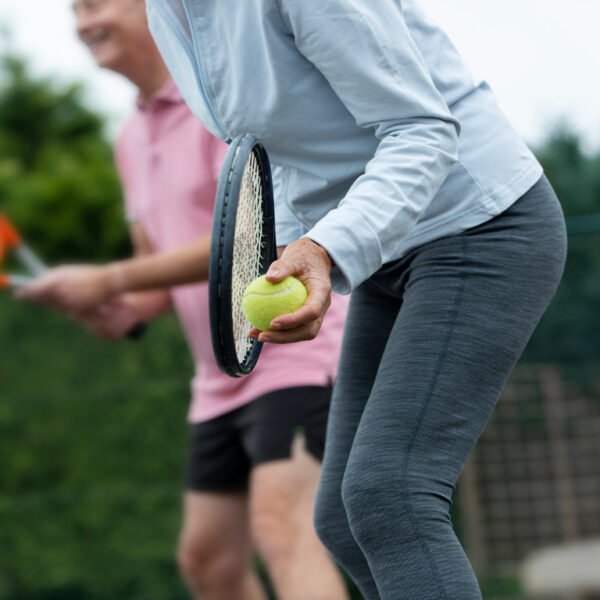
{"points": [[168, 94]]}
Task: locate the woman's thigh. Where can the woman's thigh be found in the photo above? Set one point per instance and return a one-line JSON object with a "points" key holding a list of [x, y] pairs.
{"points": [[469, 305], [371, 317]]}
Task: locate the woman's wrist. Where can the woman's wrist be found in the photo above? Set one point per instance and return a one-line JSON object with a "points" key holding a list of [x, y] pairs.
{"points": [[323, 253]]}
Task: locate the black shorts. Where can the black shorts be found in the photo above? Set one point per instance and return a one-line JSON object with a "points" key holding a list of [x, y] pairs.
{"points": [[224, 450]]}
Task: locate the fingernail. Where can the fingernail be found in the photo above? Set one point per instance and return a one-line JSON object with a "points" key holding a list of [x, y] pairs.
{"points": [[273, 272]]}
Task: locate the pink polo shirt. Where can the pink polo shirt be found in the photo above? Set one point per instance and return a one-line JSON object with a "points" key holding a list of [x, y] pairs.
{"points": [[169, 165]]}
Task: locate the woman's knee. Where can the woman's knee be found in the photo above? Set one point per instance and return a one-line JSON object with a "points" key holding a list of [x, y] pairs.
{"points": [[375, 500], [329, 516], [333, 529]]}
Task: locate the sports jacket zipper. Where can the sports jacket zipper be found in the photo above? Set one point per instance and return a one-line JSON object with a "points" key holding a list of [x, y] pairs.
{"points": [[194, 54]]}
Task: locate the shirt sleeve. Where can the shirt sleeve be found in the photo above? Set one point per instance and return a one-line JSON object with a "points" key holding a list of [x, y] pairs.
{"points": [[365, 51]]}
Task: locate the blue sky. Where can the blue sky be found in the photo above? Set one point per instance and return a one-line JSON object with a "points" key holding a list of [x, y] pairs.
{"points": [[542, 57]]}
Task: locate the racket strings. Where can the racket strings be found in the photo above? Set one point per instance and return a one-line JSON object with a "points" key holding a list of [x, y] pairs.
{"points": [[247, 250]]}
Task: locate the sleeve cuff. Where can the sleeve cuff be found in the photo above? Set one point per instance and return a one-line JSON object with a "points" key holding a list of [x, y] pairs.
{"points": [[352, 246]]}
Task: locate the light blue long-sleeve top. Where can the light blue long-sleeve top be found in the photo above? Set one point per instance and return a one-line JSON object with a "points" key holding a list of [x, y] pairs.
{"points": [[379, 138]]}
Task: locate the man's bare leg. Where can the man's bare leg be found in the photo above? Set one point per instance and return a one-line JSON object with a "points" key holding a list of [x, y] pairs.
{"points": [[282, 497], [215, 548]]}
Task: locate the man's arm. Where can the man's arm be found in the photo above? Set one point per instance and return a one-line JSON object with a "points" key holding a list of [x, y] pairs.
{"points": [[187, 264], [119, 316], [147, 304], [78, 289]]}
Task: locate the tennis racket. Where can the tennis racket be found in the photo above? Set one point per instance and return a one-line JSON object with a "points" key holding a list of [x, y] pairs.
{"points": [[10, 239], [242, 248]]}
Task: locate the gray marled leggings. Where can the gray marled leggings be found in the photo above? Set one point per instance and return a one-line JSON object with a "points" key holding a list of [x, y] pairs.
{"points": [[429, 343]]}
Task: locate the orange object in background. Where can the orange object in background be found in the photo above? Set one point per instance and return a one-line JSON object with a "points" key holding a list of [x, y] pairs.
{"points": [[9, 237], [11, 240], [4, 280]]}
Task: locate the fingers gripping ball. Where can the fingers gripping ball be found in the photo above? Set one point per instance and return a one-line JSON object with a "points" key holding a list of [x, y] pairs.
{"points": [[263, 301]]}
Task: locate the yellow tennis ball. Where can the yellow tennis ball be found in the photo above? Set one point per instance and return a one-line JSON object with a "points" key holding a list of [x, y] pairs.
{"points": [[263, 300]]}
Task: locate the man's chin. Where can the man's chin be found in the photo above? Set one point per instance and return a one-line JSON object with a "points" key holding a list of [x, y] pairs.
{"points": [[106, 61], [104, 58]]}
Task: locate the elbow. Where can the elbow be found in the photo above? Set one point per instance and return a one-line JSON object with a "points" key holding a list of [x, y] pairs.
{"points": [[442, 139], [447, 135], [454, 134]]}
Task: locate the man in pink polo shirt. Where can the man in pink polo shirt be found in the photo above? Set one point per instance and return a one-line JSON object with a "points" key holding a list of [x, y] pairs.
{"points": [[251, 477]]}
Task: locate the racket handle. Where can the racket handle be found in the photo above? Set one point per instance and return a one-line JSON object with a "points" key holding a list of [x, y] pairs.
{"points": [[14, 281], [138, 331], [28, 258]]}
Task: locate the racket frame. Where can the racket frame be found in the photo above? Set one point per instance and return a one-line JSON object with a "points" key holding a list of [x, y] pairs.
{"points": [[222, 247]]}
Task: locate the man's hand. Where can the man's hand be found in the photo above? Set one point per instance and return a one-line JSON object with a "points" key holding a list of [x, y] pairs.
{"points": [[310, 263], [73, 289], [112, 320]]}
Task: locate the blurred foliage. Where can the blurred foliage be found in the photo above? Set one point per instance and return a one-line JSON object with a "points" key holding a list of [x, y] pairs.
{"points": [[501, 586], [57, 177], [568, 332], [574, 175], [93, 435], [92, 445]]}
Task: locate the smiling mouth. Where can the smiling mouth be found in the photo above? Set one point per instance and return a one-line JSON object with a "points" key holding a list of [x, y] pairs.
{"points": [[95, 40]]}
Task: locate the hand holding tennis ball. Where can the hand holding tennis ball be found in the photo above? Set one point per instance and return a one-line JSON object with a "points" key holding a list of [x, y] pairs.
{"points": [[263, 301]]}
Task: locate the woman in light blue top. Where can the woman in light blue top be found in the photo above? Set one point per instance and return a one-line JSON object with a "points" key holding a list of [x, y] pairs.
{"points": [[399, 179]]}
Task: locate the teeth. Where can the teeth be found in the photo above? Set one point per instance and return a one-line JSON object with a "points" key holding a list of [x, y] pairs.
{"points": [[96, 38]]}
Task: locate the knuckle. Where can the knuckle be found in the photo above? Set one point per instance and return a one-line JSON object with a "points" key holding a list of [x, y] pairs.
{"points": [[313, 313], [312, 331]]}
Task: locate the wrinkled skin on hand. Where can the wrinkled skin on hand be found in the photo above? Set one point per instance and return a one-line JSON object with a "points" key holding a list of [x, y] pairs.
{"points": [[310, 263]]}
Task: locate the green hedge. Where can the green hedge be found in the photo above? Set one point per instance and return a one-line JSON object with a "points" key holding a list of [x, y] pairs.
{"points": [[92, 442]]}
